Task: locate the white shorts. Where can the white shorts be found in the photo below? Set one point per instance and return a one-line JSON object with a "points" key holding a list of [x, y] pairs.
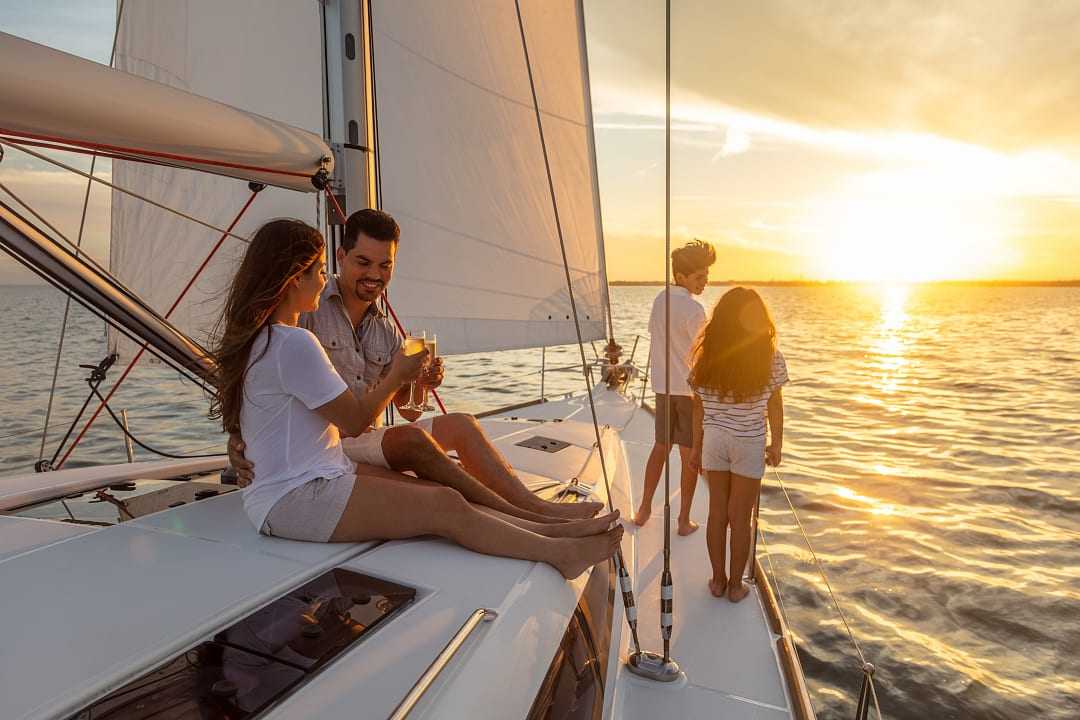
{"points": [[366, 448], [722, 451]]}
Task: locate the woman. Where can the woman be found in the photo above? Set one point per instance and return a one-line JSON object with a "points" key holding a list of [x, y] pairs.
{"points": [[276, 385]]}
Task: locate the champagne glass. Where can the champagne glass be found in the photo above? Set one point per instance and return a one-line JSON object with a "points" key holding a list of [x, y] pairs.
{"points": [[414, 344], [429, 343]]}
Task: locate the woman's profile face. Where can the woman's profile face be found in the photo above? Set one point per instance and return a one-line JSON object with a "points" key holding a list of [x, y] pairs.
{"points": [[311, 284]]}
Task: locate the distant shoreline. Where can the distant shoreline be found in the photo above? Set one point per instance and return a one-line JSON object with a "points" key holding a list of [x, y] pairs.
{"points": [[830, 283]]}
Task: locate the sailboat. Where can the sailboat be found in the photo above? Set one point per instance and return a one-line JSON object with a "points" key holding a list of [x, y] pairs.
{"points": [[149, 595]]}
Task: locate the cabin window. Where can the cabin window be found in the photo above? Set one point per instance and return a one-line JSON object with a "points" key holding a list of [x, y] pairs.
{"points": [[260, 660], [573, 688]]}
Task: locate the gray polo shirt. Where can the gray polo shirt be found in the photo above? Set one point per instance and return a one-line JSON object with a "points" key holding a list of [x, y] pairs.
{"points": [[361, 354]]}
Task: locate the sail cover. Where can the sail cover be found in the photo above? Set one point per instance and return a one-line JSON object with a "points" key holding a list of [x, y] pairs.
{"points": [[462, 171], [263, 56]]}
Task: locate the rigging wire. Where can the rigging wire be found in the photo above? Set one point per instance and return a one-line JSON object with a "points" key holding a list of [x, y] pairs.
{"points": [[866, 668], [624, 578], [666, 585], [256, 188], [140, 443], [78, 247], [125, 191]]}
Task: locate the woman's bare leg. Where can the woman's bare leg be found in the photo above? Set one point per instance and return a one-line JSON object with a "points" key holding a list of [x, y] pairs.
{"points": [[716, 529], [387, 508], [462, 433], [411, 448], [744, 493]]}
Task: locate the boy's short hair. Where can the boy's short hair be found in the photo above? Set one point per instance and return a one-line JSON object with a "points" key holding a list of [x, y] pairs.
{"points": [[691, 257], [373, 223]]}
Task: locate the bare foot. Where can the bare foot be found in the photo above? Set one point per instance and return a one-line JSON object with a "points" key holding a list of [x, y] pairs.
{"points": [[558, 511], [737, 591], [642, 516], [580, 554], [578, 528], [687, 526], [718, 587]]}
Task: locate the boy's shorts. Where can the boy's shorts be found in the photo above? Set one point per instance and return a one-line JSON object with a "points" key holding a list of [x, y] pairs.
{"points": [[682, 419]]}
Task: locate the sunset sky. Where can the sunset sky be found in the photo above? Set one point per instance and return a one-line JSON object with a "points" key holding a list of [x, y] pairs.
{"points": [[839, 139]]}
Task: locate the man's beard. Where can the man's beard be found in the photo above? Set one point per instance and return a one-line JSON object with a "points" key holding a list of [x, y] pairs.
{"points": [[367, 294]]}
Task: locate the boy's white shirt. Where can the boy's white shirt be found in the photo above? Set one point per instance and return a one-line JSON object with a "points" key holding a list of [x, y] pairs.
{"points": [[687, 320]]}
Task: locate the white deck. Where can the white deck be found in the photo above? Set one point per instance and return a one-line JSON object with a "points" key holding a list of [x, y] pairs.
{"points": [[89, 609]]}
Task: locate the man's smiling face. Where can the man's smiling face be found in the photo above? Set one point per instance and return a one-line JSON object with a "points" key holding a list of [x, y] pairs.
{"points": [[365, 271]]}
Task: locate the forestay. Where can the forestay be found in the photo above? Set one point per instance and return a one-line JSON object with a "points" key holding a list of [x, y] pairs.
{"points": [[263, 56], [462, 170]]}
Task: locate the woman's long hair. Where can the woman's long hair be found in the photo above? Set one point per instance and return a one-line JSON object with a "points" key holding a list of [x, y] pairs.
{"points": [[279, 252], [733, 355]]}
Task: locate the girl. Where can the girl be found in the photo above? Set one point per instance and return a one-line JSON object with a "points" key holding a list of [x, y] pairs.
{"points": [[736, 376], [276, 385]]}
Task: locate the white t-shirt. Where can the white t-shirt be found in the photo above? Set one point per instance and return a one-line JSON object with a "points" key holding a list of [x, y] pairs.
{"points": [[287, 440], [687, 319], [743, 419]]}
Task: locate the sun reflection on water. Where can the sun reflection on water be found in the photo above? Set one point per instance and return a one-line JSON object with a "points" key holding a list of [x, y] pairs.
{"points": [[889, 348]]}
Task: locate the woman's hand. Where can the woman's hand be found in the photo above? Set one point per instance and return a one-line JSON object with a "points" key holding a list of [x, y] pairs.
{"points": [[432, 377], [772, 454], [245, 469]]}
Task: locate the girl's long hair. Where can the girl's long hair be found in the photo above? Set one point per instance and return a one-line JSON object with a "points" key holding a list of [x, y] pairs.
{"points": [[279, 252], [733, 355]]}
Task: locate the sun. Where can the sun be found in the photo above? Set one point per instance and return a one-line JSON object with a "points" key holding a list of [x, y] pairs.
{"points": [[902, 233]]}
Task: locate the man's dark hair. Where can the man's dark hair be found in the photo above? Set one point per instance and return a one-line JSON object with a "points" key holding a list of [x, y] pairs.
{"points": [[691, 257], [373, 223]]}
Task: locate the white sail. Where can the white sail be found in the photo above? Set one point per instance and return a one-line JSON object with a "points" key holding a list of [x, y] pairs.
{"points": [[263, 56], [462, 170]]}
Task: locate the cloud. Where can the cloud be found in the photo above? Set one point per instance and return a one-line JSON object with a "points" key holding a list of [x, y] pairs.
{"points": [[1000, 75], [736, 142]]}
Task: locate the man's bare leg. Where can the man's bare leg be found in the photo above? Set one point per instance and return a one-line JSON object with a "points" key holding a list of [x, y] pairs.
{"points": [[568, 529], [653, 467], [687, 485], [411, 448], [384, 507], [462, 433]]}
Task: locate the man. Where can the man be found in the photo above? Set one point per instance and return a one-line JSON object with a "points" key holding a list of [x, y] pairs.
{"points": [[690, 267], [363, 344]]}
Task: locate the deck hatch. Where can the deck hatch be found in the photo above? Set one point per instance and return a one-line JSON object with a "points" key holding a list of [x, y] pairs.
{"points": [[545, 444], [259, 660]]}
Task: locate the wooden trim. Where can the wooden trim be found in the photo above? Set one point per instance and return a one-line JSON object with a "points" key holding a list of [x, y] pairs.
{"points": [[768, 599], [793, 676]]}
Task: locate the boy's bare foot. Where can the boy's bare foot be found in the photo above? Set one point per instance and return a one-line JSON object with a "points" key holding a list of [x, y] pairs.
{"points": [[569, 511], [718, 587], [737, 591], [642, 516], [687, 526], [579, 528], [582, 553]]}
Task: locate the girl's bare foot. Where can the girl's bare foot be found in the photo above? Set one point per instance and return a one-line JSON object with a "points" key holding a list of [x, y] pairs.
{"points": [[580, 554], [578, 528], [718, 587], [642, 516], [687, 526], [737, 591]]}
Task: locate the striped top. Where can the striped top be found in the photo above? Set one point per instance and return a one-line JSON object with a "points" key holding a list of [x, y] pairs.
{"points": [[743, 419]]}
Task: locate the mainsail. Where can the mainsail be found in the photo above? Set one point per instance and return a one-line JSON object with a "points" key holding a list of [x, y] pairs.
{"points": [[460, 161], [462, 170], [262, 56]]}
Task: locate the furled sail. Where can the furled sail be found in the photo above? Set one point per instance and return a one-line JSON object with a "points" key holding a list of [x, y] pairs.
{"points": [[462, 170], [261, 56]]}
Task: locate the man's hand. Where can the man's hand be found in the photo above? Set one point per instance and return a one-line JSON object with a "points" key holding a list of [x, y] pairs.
{"points": [[772, 454], [432, 377], [406, 368], [245, 470]]}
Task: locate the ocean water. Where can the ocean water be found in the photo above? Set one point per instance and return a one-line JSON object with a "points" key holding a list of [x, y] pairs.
{"points": [[932, 452]]}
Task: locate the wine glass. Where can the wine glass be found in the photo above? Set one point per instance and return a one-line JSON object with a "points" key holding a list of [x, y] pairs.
{"points": [[429, 343], [414, 344]]}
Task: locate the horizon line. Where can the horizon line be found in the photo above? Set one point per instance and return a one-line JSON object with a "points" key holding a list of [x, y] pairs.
{"points": [[798, 283]]}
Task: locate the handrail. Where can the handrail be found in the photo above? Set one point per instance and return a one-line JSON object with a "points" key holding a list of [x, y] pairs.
{"points": [[440, 662]]}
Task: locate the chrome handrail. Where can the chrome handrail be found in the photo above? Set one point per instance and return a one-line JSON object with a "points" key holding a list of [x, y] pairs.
{"points": [[440, 662]]}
